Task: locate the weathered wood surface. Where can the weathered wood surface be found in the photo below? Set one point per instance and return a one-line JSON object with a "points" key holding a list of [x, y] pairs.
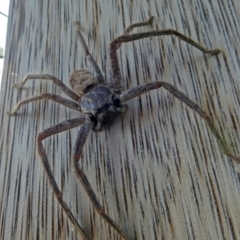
{"points": [[157, 170]]}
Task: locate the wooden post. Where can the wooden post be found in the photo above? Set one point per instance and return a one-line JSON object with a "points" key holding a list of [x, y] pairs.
{"points": [[157, 170]]}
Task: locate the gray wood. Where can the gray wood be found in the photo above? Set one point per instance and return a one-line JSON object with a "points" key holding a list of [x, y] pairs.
{"points": [[157, 170]]}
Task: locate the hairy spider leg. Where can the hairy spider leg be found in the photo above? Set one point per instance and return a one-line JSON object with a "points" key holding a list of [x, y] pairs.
{"points": [[53, 97], [55, 80], [56, 98], [77, 153], [63, 126], [134, 25], [116, 79], [86, 122], [116, 43], [137, 91], [87, 54]]}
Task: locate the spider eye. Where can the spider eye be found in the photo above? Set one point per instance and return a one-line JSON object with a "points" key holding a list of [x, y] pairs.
{"points": [[82, 81]]}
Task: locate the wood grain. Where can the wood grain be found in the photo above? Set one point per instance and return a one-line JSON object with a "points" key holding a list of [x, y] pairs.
{"points": [[157, 170]]}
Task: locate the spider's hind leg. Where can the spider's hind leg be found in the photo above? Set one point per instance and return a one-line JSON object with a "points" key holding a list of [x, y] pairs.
{"points": [[126, 37], [66, 102], [116, 81], [135, 25], [87, 54], [48, 77]]}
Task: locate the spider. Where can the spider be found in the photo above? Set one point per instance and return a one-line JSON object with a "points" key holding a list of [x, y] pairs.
{"points": [[98, 103]]}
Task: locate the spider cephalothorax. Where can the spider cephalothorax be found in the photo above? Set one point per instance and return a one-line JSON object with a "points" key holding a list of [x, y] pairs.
{"points": [[103, 105], [98, 100], [99, 103]]}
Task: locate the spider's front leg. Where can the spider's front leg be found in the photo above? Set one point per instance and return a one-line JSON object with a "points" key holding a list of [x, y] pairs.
{"points": [[137, 91], [126, 37], [82, 136], [63, 126]]}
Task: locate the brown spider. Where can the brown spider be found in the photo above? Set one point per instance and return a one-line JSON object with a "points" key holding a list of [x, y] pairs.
{"points": [[98, 103]]}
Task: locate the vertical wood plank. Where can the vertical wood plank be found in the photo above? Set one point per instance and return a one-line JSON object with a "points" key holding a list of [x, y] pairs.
{"points": [[157, 170]]}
